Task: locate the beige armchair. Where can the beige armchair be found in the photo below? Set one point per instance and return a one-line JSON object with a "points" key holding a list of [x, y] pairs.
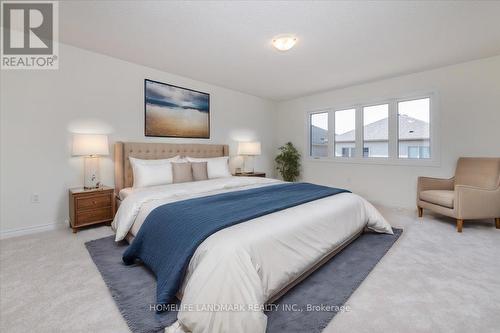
{"points": [[474, 192]]}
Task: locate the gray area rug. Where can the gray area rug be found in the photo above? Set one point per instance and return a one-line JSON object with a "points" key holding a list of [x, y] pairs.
{"points": [[308, 307]]}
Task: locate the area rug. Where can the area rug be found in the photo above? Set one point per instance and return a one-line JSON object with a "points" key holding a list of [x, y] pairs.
{"points": [[308, 307]]}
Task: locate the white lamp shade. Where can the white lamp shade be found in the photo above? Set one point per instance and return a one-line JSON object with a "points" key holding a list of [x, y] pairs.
{"points": [[249, 148], [90, 144]]}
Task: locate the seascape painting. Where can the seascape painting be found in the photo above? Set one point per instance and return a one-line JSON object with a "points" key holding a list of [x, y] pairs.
{"points": [[172, 111]]}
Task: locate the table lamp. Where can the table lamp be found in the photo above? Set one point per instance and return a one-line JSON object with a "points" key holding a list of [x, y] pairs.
{"points": [[91, 146], [248, 150]]}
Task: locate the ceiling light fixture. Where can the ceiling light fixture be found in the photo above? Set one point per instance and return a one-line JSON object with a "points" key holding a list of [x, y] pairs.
{"points": [[284, 42]]}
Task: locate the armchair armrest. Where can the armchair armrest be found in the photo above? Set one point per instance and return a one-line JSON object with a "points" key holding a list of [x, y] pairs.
{"points": [[477, 203], [429, 183]]}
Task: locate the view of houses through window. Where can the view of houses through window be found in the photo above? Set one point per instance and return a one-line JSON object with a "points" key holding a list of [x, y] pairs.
{"points": [[345, 133], [376, 131], [413, 131], [414, 128], [319, 134]]}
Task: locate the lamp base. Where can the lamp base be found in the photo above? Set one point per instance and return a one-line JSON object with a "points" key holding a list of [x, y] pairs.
{"points": [[91, 173], [248, 167]]}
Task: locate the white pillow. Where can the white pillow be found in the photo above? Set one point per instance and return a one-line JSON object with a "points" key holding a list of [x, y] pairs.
{"points": [[152, 172], [217, 167]]}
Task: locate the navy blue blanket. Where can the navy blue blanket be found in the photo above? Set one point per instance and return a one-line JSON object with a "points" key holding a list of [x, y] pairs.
{"points": [[171, 233]]}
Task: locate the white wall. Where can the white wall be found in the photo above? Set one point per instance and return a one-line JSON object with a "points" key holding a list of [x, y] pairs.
{"points": [[94, 93], [469, 106]]}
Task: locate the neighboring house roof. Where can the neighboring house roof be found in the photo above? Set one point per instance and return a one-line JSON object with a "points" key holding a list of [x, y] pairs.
{"points": [[410, 129]]}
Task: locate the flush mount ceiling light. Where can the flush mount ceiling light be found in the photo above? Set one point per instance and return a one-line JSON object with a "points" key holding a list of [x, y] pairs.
{"points": [[284, 42]]}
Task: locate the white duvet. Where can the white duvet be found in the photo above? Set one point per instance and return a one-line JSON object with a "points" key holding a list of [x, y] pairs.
{"points": [[236, 270]]}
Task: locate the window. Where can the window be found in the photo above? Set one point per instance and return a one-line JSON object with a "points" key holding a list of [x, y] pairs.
{"points": [[394, 130], [345, 132], [348, 152], [414, 128], [376, 131], [319, 134], [418, 152]]}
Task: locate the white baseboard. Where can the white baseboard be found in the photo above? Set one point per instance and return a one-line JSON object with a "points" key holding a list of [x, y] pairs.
{"points": [[9, 233]]}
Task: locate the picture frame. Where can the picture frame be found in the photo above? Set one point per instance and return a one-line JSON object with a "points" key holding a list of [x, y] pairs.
{"points": [[175, 112]]}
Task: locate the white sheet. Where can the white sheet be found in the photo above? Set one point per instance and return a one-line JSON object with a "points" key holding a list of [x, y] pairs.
{"points": [[246, 264]]}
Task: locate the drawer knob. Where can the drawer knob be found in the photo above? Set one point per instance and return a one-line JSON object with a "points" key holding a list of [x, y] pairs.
{"points": [[94, 202]]}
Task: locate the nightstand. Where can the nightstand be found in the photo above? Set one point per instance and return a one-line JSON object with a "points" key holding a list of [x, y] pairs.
{"points": [[87, 207], [251, 174]]}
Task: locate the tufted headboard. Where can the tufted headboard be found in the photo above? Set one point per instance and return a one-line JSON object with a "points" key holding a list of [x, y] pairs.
{"points": [[151, 151]]}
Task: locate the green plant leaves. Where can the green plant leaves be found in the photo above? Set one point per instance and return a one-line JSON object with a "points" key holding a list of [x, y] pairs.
{"points": [[288, 162]]}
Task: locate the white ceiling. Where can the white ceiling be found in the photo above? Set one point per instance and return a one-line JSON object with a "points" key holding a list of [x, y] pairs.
{"points": [[340, 43]]}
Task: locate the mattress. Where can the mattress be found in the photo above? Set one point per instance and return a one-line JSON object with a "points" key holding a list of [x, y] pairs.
{"points": [[251, 262]]}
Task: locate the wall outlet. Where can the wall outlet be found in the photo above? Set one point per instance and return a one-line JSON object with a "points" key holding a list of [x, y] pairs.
{"points": [[35, 198]]}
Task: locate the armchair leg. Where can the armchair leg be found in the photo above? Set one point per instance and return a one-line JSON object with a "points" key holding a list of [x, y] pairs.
{"points": [[460, 224], [420, 211], [497, 222]]}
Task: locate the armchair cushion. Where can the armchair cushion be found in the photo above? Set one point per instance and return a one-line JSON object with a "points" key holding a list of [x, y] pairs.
{"points": [[478, 172], [439, 197]]}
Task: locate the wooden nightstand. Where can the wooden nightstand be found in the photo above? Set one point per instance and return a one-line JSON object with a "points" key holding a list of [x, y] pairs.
{"points": [[251, 174], [87, 207]]}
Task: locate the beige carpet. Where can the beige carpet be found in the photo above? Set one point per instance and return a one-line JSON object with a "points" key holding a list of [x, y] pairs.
{"points": [[432, 280]]}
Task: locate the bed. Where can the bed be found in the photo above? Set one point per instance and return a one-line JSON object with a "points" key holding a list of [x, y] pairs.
{"points": [[245, 265]]}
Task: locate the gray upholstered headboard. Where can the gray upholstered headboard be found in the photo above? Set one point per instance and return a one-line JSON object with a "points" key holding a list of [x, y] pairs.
{"points": [[150, 151]]}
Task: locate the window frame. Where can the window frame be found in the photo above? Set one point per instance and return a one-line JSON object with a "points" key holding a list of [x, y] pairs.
{"points": [[309, 133], [393, 158], [362, 114], [431, 148], [334, 142]]}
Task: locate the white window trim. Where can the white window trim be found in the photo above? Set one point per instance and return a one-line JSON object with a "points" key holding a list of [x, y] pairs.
{"points": [[393, 158]]}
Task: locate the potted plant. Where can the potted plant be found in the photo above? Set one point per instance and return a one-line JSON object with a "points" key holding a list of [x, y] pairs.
{"points": [[288, 162]]}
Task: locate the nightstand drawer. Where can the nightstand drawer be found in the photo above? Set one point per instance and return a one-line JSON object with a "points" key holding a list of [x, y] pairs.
{"points": [[97, 201], [90, 216]]}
